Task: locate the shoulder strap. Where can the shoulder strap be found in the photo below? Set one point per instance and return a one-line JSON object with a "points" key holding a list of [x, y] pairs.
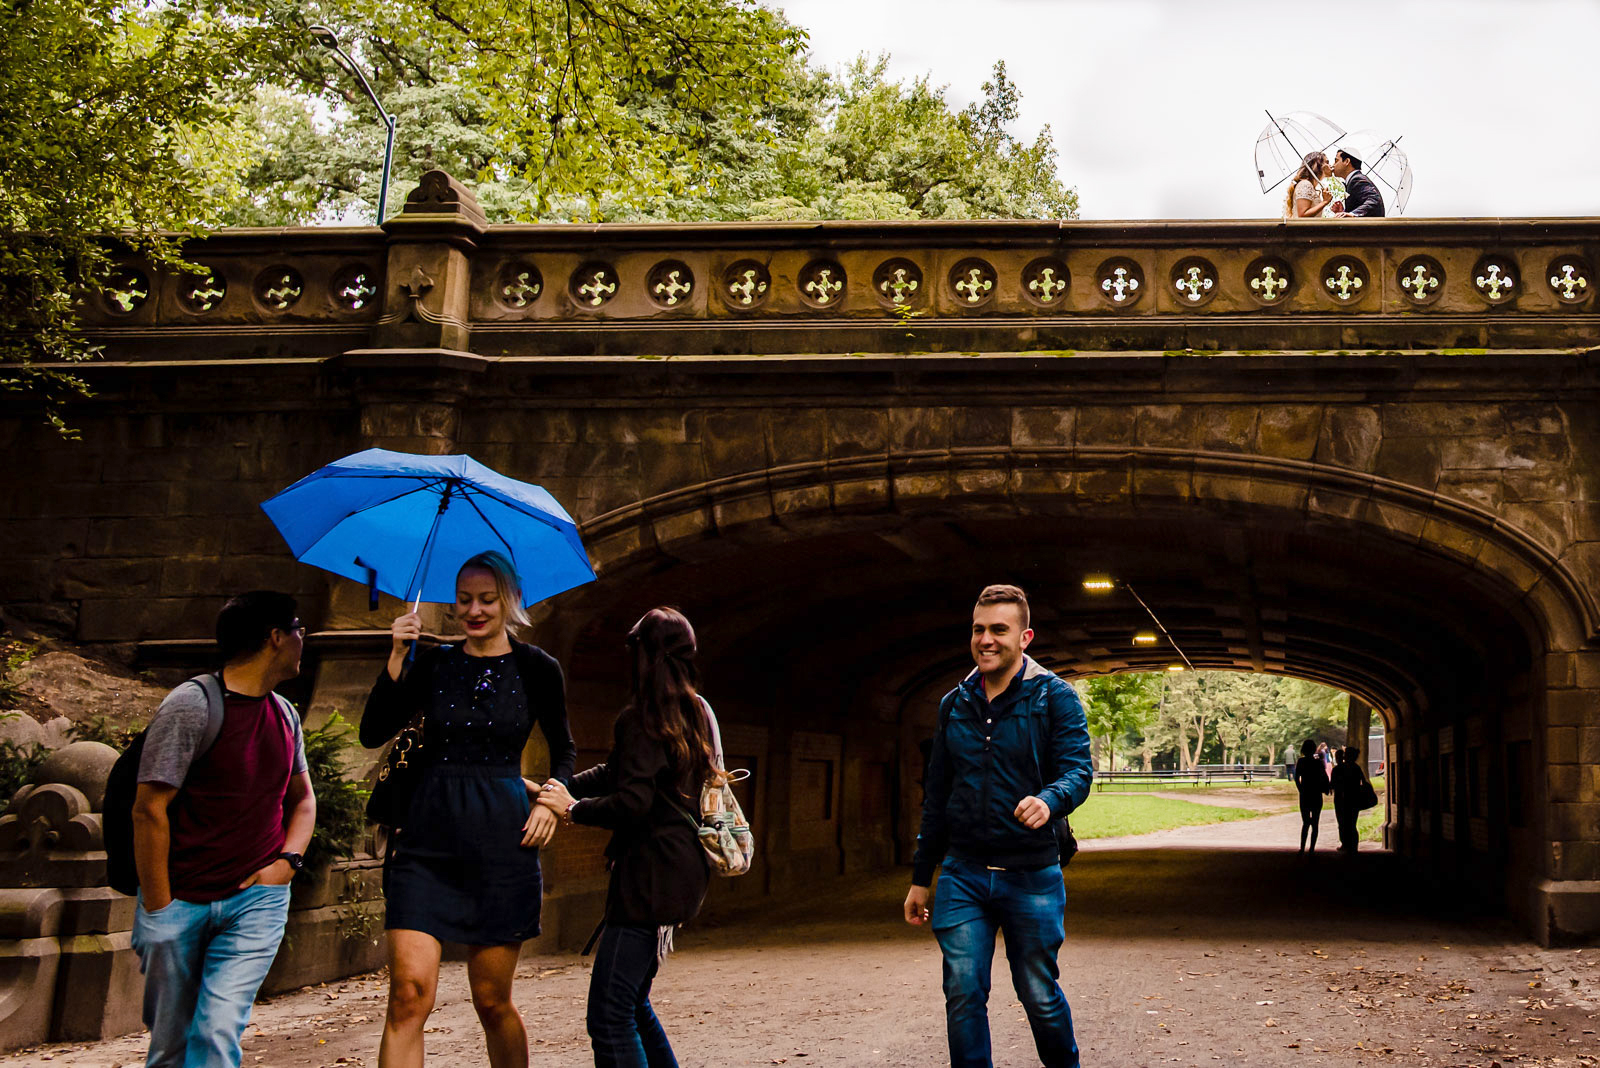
{"points": [[216, 711], [716, 733], [949, 702], [685, 813], [1033, 744]]}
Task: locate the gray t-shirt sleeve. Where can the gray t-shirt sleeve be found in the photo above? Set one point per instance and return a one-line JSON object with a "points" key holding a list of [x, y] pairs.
{"points": [[174, 735], [299, 765]]}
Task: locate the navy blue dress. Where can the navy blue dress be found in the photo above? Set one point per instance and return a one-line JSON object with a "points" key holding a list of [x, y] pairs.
{"points": [[456, 869]]}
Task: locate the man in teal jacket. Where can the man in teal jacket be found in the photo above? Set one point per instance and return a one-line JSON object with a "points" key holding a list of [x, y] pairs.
{"points": [[1011, 757]]}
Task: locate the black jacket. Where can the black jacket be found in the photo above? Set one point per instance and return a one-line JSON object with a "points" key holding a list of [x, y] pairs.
{"points": [[659, 872], [1033, 740], [1361, 196], [1346, 781], [1311, 776], [391, 704]]}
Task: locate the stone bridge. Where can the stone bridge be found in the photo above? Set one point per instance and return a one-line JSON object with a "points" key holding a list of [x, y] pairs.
{"points": [[1365, 453]]}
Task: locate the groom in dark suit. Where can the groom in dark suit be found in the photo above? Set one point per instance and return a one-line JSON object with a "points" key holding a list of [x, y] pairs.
{"points": [[1361, 196]]}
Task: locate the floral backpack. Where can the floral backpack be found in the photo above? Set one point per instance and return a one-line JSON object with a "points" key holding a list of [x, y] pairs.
{"points": [[722, 828]]}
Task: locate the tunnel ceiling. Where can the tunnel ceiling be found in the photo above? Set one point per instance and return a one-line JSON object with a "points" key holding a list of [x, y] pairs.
{"points": [[887, 606]]}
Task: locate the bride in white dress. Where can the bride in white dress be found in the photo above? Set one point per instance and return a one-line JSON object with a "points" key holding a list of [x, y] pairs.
{"points": [[1308, 198]]}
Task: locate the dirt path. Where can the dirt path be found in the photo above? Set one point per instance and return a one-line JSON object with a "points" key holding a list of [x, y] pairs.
{"points": [[1196, 947]]}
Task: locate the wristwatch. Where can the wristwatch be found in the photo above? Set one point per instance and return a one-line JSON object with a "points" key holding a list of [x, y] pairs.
{"points": [[296, 861]]}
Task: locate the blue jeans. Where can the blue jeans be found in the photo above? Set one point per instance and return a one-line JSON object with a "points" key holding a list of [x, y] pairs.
{"points": [[622, 1026], [202, 967], [969, 906]]}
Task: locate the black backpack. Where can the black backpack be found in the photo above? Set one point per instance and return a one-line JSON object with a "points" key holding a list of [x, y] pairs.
{"points": [[122, 786]]}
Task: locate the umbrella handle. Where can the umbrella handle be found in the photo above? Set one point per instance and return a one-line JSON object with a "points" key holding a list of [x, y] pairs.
{"points": [[412, 655]]}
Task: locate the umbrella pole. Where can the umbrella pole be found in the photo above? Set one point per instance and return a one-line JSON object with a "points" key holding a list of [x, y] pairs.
{"points": [[427, 556]]}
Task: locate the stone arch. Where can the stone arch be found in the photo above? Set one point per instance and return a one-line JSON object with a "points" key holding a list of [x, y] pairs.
{"points": [[1069, 480]]}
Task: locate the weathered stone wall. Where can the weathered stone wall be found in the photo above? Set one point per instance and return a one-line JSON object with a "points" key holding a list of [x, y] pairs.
{"points": [[145, 522]]}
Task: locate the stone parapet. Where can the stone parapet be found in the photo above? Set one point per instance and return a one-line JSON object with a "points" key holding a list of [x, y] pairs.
{"points": [[441, 278]]}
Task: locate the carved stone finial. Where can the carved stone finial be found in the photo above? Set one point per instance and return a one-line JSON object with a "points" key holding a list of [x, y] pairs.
{"points": [[84, 766], [440, 194]]}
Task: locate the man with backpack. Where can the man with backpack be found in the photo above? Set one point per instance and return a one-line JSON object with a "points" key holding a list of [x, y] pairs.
{"points": [[1010, 761], [224, 812]]}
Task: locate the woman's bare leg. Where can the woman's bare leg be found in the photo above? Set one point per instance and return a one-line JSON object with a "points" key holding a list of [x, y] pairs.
{"points": [[413, 982], [490, 971]]}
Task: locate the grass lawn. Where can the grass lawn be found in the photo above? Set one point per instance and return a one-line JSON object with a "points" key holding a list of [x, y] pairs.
{"points": [[1114, 815]]}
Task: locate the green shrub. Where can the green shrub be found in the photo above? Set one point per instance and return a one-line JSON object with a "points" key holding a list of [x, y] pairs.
{"points": [[13, 655], [106, 730], [17, 765], [341, 801]]}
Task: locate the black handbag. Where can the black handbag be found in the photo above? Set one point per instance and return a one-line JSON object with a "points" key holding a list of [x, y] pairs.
{"points": [[1066, 841], [391, 795], [1367, 797]]}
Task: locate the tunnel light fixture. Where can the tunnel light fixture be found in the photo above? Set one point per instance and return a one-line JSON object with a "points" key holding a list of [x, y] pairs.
{"points": [[1174, 667], [1106, 583]]}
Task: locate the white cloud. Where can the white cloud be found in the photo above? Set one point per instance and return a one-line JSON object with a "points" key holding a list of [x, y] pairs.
{"points": [[1155, 104]]}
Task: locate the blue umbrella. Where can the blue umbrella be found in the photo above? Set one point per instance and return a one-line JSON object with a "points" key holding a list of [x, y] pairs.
{"points": [[404, 524]]}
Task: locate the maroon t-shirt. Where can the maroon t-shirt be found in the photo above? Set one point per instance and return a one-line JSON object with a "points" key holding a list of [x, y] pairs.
{"points": [[227, 821]]}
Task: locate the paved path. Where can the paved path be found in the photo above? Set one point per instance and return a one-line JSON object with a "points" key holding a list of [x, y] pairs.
{"points": [[1201, 946]]}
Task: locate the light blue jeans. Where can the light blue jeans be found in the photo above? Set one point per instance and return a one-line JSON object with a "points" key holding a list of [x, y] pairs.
{"points": [[202, 967], [971, 904]]}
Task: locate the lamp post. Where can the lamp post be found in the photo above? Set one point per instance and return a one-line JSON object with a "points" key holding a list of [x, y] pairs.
{"points": [[1105, 584], [330, 40]]}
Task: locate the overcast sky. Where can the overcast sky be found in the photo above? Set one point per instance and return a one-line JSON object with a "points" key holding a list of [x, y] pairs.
{"points": [[1155, 105]]}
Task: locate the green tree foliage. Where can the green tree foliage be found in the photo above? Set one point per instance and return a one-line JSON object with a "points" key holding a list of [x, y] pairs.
{"points": [[107, 107], [125, 123], [1302, 710], [868, 147], [1212, 717], [1120, 709], [795, 143], [549, 107]]}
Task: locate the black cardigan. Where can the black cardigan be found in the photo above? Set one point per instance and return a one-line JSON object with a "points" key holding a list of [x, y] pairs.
{"points": [[659, 872], [391, 704]]}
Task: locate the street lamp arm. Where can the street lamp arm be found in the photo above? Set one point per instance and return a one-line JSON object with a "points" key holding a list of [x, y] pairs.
{"points": [[1161, 626], [366, 86], [330, 40]]}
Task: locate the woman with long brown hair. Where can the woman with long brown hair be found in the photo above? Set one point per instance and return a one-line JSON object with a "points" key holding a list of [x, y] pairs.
{"points": [[662, 753], [1307, 198]]}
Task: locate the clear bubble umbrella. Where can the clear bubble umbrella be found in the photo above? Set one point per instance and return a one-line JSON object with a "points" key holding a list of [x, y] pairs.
{"points": [[1384, 161], [1286, 140]]}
